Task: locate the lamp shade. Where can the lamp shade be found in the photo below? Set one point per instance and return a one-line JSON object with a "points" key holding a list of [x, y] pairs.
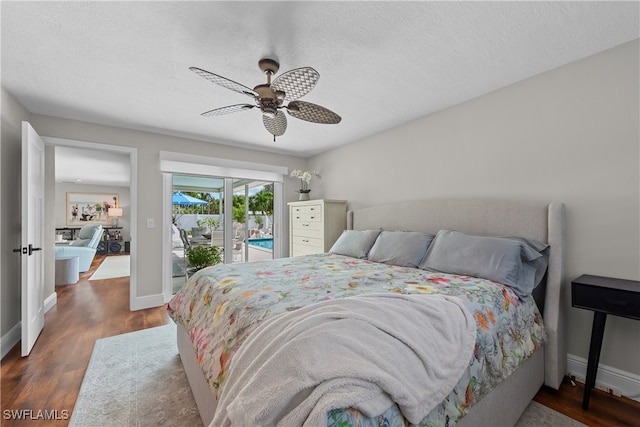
{"points": [[115, 212]]}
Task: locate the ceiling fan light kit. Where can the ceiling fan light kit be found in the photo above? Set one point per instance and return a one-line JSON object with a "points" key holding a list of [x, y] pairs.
{"points": [[270, 98]]}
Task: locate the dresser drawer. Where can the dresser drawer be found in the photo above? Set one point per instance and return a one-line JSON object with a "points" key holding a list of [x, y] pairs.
{"points": [[307, 226], [309, 217], [607, 300], [307, 209], [300, 250], [308, 241], [299, 236]]}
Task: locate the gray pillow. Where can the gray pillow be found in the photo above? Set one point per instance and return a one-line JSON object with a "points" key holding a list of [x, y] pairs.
{"points": [[504, 260], [539, 264], [354, 243], [401, 248], [87, 231], [80, 242]]}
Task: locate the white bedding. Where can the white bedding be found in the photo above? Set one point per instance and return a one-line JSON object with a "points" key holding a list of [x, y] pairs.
{"points": [[365, 368]]}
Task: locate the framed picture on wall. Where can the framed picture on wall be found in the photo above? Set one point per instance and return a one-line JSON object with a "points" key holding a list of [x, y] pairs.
{"points": [[90, 208]]}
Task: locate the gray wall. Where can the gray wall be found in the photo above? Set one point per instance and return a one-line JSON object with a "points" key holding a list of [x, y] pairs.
{"points": [[567, 135]]}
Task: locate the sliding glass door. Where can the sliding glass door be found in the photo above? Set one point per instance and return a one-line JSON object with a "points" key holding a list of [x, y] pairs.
{"points": [[239, 227]]}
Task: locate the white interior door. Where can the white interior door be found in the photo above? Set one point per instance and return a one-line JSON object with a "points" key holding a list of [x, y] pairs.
{"points": [[32, 259]]}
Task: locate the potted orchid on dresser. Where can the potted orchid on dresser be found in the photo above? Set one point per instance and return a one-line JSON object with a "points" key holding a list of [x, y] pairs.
{"points": [[305, 179]]}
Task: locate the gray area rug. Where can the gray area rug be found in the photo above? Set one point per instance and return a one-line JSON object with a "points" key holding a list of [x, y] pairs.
{"points": [[538, 415], [137, 379]]}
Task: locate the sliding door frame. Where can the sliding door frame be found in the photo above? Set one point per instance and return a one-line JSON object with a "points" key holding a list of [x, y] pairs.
{"points": [[187, 164]]}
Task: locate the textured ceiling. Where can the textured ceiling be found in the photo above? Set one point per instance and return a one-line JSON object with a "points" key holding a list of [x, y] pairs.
{"points": [[381, 64]]}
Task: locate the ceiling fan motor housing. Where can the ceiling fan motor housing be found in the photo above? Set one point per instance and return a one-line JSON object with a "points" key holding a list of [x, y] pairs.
{"points": [[268, 100]]}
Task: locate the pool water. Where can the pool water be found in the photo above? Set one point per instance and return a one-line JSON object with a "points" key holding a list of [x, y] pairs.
{"points": [[266, 243]]}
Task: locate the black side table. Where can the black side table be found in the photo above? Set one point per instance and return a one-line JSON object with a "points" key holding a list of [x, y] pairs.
{"points": [[603, 295]]}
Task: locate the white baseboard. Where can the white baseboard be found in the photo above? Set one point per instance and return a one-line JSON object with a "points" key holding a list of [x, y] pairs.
{"points": [[10, 339], [150, 301], [609, 379], [50, 301]]}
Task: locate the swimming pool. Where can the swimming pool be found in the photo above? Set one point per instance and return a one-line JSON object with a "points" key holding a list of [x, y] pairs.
{"points": [[266, 243]]}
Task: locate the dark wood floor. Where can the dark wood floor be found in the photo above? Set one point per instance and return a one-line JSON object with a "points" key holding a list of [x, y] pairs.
{"points": [[50, 378], [604, 410]]}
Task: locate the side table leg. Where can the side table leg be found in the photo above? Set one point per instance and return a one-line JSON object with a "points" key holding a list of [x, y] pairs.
{"points": [[597, 333]]}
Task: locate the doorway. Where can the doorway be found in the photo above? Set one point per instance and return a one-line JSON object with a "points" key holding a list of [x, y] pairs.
{"points": [[105, 152]]}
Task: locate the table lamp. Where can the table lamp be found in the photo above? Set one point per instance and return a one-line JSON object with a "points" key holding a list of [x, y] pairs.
{"points": [[114, 214]]}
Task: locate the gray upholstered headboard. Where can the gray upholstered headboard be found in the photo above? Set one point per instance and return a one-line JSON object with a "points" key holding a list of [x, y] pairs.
{"points": [[535, 220]]}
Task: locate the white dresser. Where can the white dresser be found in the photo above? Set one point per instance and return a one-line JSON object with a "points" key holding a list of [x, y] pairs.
{"points": [[315, 225]]}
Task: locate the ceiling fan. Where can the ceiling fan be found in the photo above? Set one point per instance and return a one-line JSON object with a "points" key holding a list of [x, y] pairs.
{"points": [[271, 97]]}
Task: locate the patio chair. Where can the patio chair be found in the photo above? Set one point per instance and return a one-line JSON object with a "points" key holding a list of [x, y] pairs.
{"points": [[176, 239], [185, 239], [240, 233], [237, 249], [217, 238]]}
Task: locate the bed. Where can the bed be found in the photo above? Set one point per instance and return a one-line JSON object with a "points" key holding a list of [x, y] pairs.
{"points": [[219, 367]]}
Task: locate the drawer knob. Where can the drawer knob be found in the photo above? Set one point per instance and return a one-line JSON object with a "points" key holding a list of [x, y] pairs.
{"points": [[305, 225]]}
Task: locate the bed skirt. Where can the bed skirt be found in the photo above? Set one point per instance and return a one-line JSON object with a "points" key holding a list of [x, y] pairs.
{"points": [[202, 393]]}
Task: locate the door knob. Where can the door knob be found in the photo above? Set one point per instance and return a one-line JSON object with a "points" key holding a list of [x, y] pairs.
{"points": [[32, 249]]}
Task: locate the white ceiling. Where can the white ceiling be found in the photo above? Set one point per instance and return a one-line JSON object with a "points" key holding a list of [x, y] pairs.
{"points": [[91, 167], [381, 63]]}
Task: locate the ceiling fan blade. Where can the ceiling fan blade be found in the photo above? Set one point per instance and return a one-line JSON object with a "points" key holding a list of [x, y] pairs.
{"points": [[312, 113], [227, 110], [275, 125], [296, 83], [224, 82]]}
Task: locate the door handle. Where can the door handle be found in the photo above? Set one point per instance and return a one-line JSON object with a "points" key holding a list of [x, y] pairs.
{"points": [[21, 250], [32, 249]]}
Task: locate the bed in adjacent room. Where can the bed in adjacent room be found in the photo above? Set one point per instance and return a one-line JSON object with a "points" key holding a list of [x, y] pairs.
{"points": [[426, 312]]}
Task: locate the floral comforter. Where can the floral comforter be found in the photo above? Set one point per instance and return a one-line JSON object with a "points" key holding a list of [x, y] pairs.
{"points": [[220, 306]]}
